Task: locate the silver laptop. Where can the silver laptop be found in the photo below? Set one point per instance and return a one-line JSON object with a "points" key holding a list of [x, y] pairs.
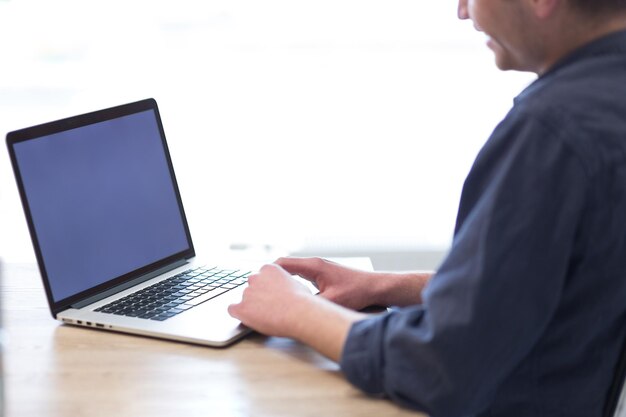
{"points": [[110, 233]]}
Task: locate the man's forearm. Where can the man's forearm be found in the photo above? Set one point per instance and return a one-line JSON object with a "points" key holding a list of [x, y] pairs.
{"points": [[400, 289], [324, 326]]}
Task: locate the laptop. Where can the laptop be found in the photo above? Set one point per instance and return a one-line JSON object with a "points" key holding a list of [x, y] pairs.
{"points": [[109, 230]]}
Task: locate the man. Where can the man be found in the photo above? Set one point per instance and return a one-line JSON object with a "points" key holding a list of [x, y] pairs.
{"points": [[526, 315]]}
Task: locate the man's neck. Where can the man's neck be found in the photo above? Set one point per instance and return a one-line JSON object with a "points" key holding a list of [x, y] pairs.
{"points": [[575, 34]]}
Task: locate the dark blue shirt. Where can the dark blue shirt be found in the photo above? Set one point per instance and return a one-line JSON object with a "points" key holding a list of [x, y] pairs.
{"points": [[527, 314]]}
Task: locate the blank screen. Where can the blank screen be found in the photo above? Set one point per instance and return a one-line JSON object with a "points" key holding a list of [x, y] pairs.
{"points": [[102, 201]]}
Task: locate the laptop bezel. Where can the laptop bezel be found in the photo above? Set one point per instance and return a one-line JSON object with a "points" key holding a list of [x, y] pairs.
{"points": [[45, 129]]}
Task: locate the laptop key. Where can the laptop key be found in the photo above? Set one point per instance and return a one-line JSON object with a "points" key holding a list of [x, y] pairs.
{"points": [[229, 286], [205, 297]]}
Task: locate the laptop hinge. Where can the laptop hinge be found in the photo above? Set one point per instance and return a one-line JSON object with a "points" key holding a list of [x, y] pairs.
{"points": [[126, 285]]}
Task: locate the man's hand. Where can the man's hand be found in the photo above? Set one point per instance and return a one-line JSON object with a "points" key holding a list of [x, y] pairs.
{"points": [[357, 289], [345, 286], [277, 305], [272, 302]]}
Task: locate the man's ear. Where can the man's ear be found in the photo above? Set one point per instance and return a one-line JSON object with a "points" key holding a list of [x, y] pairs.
{"points": [[544, 9]]}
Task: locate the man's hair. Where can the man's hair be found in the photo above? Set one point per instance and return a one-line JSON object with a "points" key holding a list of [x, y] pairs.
{"points": [[598, 7]]}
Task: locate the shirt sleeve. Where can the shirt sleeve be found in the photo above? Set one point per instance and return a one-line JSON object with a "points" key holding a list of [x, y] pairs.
{"points": [[496, 291]]}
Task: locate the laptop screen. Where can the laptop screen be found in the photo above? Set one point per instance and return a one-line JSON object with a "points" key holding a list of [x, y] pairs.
{"points": [[102, 201]]}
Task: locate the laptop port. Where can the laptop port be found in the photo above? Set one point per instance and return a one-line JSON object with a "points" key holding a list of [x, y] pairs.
{"points": [[99, 325], [88, 323]]}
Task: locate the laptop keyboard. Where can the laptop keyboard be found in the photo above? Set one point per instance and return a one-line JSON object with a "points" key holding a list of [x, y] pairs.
{"points": [[179, 293]]}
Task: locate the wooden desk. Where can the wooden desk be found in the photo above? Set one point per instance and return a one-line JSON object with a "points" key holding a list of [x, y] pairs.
{"points": [[58, 370]]}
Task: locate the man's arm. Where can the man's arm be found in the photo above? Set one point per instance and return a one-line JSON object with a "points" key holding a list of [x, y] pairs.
{"points": [[498, 289], [400, 289]]}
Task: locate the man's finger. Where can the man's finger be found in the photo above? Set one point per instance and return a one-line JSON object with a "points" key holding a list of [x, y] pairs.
{"points": [[233, 310], [307, 268]]}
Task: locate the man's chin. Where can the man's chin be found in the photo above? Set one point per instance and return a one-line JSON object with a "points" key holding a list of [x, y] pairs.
{"points": [[503, 65], [504, 61]]}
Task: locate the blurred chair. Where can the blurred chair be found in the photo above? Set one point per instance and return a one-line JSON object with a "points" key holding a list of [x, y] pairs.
{"points": [[616, 402], [1, 349]]}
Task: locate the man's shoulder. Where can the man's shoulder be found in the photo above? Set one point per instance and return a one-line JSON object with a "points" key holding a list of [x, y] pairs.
{"points": [[582, 107]]}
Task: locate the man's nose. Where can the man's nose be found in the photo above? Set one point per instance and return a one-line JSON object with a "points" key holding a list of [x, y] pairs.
{"points": [[462, 10]]}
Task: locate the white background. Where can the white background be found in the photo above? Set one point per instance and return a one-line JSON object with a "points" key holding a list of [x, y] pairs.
{"points": [[296, 124]]}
